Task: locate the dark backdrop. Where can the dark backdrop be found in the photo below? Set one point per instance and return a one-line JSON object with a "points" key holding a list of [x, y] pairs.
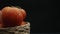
{"points": [[41, 14]]}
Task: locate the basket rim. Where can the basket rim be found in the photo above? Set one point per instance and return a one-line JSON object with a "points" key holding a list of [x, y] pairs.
{"points": [[27, 23]]}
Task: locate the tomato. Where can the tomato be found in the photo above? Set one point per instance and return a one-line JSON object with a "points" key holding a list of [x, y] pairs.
{"points": [[12, 16]]}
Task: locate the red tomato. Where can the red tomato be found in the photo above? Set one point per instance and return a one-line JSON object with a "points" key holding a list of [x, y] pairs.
{"points": [[11, 16]]}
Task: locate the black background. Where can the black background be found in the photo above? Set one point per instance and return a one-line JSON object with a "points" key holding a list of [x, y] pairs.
{"points": [[41, 14]]}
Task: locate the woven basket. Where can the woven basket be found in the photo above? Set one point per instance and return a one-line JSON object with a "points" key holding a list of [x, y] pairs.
{"points": [[24, 29]]}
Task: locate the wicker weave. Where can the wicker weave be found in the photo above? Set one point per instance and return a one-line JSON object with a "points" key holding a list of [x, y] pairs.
{"points": [[24, 29]]}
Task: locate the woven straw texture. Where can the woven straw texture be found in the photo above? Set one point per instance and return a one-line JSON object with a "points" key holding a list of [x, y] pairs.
{"points": [[24, 29]]}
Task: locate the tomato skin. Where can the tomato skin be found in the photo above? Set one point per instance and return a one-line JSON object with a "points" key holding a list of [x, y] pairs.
{"points": [[12, 16], [1, 19], [23, 12]]}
